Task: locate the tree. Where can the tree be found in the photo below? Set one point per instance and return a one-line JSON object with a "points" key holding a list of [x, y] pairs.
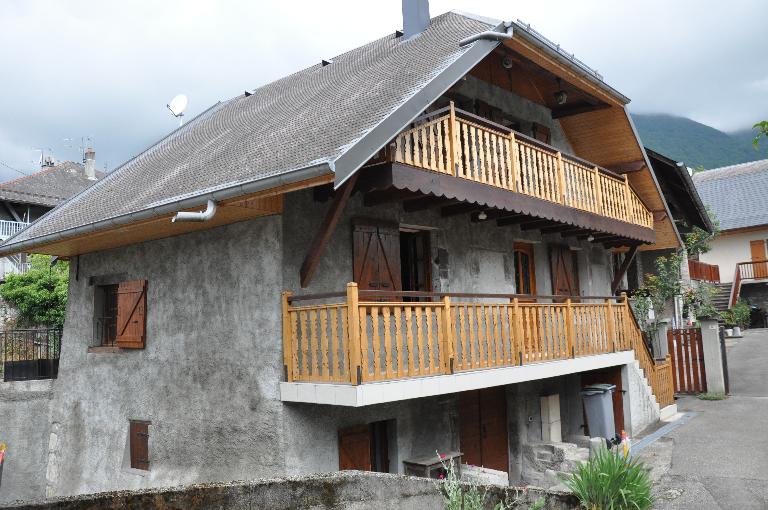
{"points": [[762, 130], [40, 294]]}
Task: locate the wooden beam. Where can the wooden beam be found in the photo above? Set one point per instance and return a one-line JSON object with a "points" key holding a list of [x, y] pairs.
{"points": [[659, 215], [13, 212], [560, 227], [462, 208], [575, 232], [512, 220], [535, 225], [623, 268], [324, 233], [630, 166], [568, 111], [428, 202]]}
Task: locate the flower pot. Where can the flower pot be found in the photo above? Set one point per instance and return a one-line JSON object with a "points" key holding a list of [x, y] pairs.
{"points": [[728, 332], [736, 331]]}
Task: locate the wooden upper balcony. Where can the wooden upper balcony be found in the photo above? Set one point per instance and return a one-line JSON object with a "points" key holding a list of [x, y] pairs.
{"points": [[475, 165], [464, 145], [363, 337]]}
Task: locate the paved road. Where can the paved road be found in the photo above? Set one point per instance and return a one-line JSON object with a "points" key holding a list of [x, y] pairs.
{"points": [[719, 459]]}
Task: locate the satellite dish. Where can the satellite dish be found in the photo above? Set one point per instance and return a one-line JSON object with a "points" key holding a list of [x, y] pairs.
{"points": [[177, 105]]}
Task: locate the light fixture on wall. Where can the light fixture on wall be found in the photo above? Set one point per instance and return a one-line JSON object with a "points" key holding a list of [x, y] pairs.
{"points": [[561, 96], [482, 216], [507, 63], [590, 238]]}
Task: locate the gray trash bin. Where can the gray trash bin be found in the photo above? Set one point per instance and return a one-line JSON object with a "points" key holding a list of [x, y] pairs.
{"points": [[598, 404]]}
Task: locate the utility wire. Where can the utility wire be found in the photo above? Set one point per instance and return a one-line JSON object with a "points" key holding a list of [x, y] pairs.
{"points": [[6, 165]]}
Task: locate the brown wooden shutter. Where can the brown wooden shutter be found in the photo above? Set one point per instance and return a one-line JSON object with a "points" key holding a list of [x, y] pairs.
{"points": [[542, 133], [132, 314], [757, 251], [565, 280], [355, 448], [138, 434], [376, 263]]}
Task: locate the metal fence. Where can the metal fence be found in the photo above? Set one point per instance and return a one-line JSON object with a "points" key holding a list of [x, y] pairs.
{"points": [[30, 354]]}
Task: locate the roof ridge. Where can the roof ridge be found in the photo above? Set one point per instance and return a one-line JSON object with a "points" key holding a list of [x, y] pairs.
{"points": [[734, 167]]}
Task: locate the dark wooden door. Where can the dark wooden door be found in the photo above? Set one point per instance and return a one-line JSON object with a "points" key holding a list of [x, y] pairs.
{"points": [[483, 428], [610, 375], [565, 276], [355, 448], [376, 254], [525, 269], [687, 353]]}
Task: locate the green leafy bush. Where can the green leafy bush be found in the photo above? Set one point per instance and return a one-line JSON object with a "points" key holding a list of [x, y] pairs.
{"points": [[737, 315], [611, 482], [712, 396], [40, 294]]}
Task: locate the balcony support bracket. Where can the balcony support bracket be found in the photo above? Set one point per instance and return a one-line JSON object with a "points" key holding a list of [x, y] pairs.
{"points": [[623, 268]]}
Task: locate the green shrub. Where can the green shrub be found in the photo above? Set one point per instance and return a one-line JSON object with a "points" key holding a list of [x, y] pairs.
{"points": [[737, 315], [40, 294], [611, 482], [712, 396]]}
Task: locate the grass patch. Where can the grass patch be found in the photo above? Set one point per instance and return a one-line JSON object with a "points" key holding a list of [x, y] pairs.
{"points": [[712, 396]]}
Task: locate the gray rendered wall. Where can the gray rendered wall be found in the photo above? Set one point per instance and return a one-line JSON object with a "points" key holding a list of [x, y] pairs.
{"points": [[24, 427], [207, 380]]}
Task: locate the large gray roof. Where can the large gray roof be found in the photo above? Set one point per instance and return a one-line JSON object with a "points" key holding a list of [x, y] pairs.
{"points": [[737, 195], [306, 119], [49, 187]]}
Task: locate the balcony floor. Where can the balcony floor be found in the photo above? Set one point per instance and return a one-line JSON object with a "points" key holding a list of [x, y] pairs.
{"points": [[404, 389]]}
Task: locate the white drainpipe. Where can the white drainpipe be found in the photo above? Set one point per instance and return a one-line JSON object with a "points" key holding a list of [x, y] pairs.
{"points": [[197, 216]]}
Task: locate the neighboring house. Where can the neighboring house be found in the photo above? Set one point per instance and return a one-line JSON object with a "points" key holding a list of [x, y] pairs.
{"points": [[26, 199], [737, 197], [403, 249]]}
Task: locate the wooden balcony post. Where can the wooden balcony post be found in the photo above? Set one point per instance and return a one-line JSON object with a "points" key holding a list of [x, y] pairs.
{"points": [[447, 339], [627, 200], [453, 146], [560, 179], [627, 319], [598, 192], [611, 324], [570, 333], [287, 340], [515, 164], [519, 340], [353, 313]]}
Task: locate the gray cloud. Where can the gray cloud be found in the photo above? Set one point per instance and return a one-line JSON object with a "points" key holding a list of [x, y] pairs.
{"points": [[106, 69]]}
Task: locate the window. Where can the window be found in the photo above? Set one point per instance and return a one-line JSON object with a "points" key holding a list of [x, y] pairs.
{"points": [[525, 273], [120, 314], [415, 260], [138, 436]]}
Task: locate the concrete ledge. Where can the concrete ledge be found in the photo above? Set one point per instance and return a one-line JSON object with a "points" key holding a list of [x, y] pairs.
{"points": [[404, 389], [667, 413]]}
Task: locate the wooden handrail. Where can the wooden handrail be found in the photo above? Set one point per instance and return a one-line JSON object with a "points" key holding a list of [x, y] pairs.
{"points": [[702, 271], [372, 294], [749, 270], [467, 146], [360, 339]]}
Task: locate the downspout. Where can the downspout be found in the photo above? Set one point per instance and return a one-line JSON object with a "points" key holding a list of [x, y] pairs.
{"points": [[206, 215], [489, 34]]}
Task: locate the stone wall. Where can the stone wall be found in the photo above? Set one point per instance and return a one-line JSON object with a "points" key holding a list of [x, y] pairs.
{"points": [[348, 490], [25, 428]]}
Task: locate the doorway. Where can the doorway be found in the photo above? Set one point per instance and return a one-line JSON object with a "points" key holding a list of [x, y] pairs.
{"points": [[525, 269], [611, 375], [365, 447], [415, 253], [483, 428], [565, 275]]}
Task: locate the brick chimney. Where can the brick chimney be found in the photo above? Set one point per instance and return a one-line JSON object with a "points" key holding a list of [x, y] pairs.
{"points": [[415, 17], [90, 164]]}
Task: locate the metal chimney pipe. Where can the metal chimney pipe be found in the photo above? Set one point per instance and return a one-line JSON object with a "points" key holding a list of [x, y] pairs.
{"points": [[415, 17], [90, 164]]}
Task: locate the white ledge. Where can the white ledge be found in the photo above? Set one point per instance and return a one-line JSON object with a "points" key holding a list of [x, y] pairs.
{"points": [[403, 389]]}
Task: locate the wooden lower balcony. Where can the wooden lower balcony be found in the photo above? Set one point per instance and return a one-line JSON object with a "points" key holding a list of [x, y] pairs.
{"points": [[358, 338]]}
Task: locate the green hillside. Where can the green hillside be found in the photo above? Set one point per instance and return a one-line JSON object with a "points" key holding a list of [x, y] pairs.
{"points": [[696, 144]]}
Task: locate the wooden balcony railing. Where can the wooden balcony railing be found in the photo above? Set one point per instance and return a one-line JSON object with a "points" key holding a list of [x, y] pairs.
{"points": [[752, 270], [464, 145], [358, 338], [703, 272]]}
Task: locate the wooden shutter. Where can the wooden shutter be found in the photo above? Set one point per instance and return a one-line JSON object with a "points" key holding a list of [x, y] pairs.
{"points": [[132, 314], [139, 444], [542, 133], [483, 428], [377, 256], [355, 448], [469, 427], [757, 251], [565, 280]]}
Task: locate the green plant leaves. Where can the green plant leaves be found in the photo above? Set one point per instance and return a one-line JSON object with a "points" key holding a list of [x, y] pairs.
{"points": [[40, 294]]}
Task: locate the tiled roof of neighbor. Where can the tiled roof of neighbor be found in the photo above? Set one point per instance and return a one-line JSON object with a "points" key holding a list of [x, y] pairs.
{"points": [[49, 187], [305, 119], [737, 195]]}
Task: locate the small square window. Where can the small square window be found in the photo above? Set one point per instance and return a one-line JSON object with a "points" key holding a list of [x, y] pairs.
{"points": [[105, 320]]}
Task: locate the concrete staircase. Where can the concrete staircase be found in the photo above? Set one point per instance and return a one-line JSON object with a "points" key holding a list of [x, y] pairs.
{"points": [[720, 300]]}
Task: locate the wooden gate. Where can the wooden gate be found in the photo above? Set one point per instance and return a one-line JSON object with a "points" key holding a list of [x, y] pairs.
{"points": [[687, 353]]}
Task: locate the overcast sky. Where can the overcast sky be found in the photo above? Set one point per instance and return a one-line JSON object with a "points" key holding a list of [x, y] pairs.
{"points": [[106, 69]]}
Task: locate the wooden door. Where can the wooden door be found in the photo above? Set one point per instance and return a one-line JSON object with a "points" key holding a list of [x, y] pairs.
{"points": [[757, 250], [610, 375], [355, 448], [483, 428], [376, 255], [565, 278]]}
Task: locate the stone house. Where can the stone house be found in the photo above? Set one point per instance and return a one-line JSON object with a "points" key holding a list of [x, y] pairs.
{"points": [[401, 250]]}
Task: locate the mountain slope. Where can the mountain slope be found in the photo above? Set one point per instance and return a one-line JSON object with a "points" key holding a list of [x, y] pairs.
{"points": [[694, 143]]}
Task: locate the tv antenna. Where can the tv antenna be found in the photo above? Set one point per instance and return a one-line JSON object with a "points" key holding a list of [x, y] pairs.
{"points": [[177, 106]]}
